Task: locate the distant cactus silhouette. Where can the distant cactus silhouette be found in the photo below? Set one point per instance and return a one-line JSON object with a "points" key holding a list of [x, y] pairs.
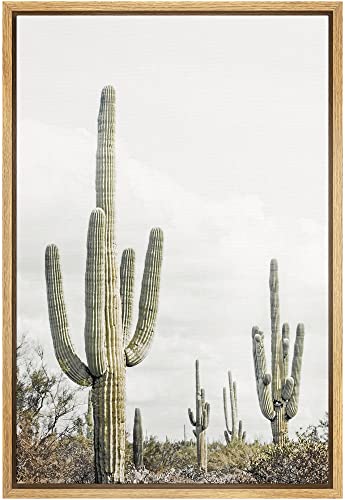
{"points": [[201, 420], [278, 393], [108, 307], [89, 418], [235, 431], [138, 441]]}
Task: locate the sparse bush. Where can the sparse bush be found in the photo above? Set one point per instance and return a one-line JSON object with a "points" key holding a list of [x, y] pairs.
{"points": [[188, 474], [160, 456], [50, 444], [304, 461], [228, 458]]}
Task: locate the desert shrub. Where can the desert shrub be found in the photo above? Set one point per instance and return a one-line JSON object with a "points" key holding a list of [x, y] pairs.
{"points": [[50, 442], [187, 474], [304, 461], [160, 456], [229, 458]]}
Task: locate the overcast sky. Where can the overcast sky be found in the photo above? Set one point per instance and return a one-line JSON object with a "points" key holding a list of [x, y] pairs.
{"points": [[221, 139]]}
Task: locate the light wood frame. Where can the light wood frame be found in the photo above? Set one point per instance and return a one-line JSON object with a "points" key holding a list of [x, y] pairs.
{"points": [[334, 12]]}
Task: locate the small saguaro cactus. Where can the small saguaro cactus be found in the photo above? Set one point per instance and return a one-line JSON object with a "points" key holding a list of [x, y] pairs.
{"points": [[201, 420], [138, 441], [89, 417], [235, 431], [108, 307], [277, 392]]}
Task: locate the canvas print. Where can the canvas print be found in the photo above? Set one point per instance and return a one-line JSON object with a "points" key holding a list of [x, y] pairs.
{"points": [[172, 250]]}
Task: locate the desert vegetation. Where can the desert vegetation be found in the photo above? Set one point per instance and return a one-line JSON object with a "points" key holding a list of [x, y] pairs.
{"points": [[55, 445], [60, 439]]}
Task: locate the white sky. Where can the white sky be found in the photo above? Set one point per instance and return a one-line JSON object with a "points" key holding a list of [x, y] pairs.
{"points": [[221, 135]]}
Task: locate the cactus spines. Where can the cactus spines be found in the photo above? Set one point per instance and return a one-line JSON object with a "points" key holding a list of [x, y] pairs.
{"points": [[201, 420], [108, 309], [138, 440], [234, 431], [278, 393]]}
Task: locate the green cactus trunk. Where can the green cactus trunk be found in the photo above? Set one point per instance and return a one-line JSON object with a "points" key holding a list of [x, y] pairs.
{"points": [[138, 443], [201, 420], [108, 308], [278, 403], [89, 417], [233, 432], [279, 427], [202, 450]]}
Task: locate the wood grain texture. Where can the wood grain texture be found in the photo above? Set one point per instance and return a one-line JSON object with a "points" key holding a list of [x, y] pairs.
{"points": [[7, 224], [334, 9], [161, 492], [162, 6], [335, 213]]}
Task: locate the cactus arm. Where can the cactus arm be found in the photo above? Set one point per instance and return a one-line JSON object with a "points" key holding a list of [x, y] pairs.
{"points": [[205, 416], [265, 397], [95, 295], [139, 345], [191, 417], [287, 388], [127, 270], [203, 397], [292, 406], [275, 338], [197, 393], [255, 330], [244, 436], [68, 360], [285, 350], [227, 437], [240, 429], [232, 389], [226, 413]]}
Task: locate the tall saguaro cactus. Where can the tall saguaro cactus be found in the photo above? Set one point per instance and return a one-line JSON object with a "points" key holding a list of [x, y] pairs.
{"points": [[235, 431], [201, 420], [138, 440], [108, 308], [278, 392]]}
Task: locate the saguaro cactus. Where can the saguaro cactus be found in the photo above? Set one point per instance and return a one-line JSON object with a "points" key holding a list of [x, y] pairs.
{"points": [[235, 431], [201, 420], [89, 418], [278, 393], [138, 440], [108, 307]]}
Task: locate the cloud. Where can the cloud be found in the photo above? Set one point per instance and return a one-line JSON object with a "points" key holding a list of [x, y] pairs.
{"points": [[214, 281]]}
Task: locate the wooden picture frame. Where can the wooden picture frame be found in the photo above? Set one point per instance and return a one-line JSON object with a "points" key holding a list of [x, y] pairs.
{"points": [[11, 10]]}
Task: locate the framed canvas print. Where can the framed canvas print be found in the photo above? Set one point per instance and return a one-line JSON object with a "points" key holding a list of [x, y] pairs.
{"points": [[172, 241]]}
